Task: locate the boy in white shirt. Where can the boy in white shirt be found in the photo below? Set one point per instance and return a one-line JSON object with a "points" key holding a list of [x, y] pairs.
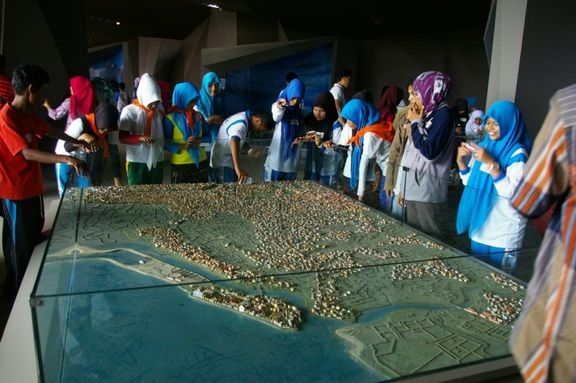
{"points": [[225, 153]]}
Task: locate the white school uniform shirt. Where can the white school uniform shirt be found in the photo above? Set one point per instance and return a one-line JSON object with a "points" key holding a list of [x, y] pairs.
{"points": [[234, 126], [74, 130], [274, 159], [337, 91], [373, 147], [504, 227], [133, 120]]}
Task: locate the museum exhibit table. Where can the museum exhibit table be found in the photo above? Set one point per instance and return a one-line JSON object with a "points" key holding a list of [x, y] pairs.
{"points": [[263, 282]]}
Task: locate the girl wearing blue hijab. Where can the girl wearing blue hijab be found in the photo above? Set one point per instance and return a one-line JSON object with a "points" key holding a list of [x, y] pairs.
{"points": [[282, 158], [485, 213], [183, 126], [359, 115], [210, 88]]}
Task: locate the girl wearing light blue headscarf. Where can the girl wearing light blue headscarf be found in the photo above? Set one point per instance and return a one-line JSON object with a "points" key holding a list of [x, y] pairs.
{"points": [[183, 126], [210, 88], [485, 213], [283, 153], [362, 114]]}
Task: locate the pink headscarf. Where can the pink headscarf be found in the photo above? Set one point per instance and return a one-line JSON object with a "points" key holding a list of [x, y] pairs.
{"points": [[82, 100], [432, 88]]}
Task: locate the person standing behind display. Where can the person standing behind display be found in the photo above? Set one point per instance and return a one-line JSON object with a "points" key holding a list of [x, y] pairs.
{"points": [[21, 202], [388, 107], [182, 125], [371, 141], [225, 154], [289, 77], [543, 337], [6, 91], [474, 129], [494, 227], [318, 125], [121, 97], [427, 157], [211, 86], [93, 128], [343, 80], [141, 130], [283, 154], [81, 101], [401, 126]]}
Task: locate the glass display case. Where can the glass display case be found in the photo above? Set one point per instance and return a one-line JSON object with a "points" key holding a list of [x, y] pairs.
{"points": [[262, 282]]}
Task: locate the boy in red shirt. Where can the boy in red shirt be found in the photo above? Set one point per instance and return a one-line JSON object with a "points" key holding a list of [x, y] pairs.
{"points": [[21, 203]]}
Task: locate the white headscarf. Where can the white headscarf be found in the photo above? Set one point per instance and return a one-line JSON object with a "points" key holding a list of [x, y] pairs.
{"points": [[472, 127], [148, 90]]}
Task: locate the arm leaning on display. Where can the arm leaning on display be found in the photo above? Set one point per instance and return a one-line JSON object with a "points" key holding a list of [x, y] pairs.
{"points": [[52, 158]]}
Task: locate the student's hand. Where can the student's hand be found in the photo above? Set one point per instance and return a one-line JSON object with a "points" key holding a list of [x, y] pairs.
{"points": [[193, 142], [401, 200], [88, 146], [463, 151], [328, 144], [281, 103], [482, 155], [361, 198], [317, 140], [146, 139], [297, 141], [389, 192], [242, 176], [46, 104], [414, 113], [79, 166], [216, 119]]}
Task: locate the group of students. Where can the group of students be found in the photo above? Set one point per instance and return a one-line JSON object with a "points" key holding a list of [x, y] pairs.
{"points": [[410, 147]]}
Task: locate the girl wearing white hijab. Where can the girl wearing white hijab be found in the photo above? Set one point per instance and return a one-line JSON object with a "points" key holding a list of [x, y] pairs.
{"points": [[474, 129], [140, 127]]}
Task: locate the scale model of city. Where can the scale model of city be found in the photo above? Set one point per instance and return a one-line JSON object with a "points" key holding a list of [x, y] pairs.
{"points": [[340, 258]]}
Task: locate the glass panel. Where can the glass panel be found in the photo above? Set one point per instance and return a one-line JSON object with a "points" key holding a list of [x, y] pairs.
{"points": [[361, 325], [381, 294]]}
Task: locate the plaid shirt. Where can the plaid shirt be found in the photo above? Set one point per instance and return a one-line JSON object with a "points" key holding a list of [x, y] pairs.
{"points": [[544, 336]]}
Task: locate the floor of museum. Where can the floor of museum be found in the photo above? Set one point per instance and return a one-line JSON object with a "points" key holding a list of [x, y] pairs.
{"points": [[52, 195]]}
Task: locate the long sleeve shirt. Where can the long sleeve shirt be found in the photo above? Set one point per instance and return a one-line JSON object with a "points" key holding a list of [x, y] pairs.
{"points": [[504, 227]]}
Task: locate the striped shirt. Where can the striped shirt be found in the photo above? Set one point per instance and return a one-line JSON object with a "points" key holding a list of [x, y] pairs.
{"points": [[544, 336]]}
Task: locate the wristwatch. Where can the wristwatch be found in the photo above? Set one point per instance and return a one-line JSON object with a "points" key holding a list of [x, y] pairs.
{"points": [[494, 166]]}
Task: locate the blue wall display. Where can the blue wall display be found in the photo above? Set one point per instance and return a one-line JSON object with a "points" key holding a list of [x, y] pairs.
{"points": [[108, 65], [256, 87]]}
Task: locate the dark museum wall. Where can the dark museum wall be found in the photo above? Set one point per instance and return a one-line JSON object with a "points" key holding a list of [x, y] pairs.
{"points": [[54, 35], [548, 59], [33, 44], [396, 61]]}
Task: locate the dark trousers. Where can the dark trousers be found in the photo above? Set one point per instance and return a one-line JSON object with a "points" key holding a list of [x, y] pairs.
{"points": [[22, 231], [190, 173]]}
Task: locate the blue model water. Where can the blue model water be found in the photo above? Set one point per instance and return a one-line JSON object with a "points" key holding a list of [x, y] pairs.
{"points": [[197, 342]]}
